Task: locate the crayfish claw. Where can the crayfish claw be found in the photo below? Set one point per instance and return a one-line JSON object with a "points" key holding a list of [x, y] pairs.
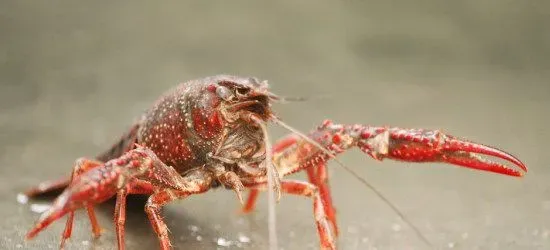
{"points": [[476, 148], [58, 209], [474, 161], [419, 145], [469, 154]]}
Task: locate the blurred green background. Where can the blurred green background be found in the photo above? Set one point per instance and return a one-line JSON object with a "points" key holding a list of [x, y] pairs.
{"points": [[74, 75]]}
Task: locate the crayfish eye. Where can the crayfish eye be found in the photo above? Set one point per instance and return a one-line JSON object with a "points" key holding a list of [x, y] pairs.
{"points": [[224, 93], [242, 91]]}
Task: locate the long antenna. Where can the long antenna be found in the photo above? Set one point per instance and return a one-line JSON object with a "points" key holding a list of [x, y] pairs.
{"points": [[273, 182]]}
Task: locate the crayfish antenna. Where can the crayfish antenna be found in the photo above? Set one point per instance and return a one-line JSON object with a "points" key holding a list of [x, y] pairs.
{"points": [[285, 99], [291, 99], [273, 183], [358, 177]]}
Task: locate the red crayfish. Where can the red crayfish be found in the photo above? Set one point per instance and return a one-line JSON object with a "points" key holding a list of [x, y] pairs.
{"points": [[211, 132]]}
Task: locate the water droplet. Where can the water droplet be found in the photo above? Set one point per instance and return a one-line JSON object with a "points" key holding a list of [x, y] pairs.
{"points": [[85, 243], [223, 242], [40, 208], [451, 245], [193, 228], [22, 199], [199, 238], [243, 238]]}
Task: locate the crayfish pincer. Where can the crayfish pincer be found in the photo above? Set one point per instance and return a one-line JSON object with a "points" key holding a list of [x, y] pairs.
{"points": [[212, 132]]}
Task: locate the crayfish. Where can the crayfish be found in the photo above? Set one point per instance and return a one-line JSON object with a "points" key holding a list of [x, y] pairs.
{"points": [[212, 132]]}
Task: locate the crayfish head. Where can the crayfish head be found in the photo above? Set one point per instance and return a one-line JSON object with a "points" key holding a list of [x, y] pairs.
{"points": [[244, 94]]}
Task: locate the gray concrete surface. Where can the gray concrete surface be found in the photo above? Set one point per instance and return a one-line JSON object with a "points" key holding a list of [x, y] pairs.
{"points": [[73, 76]]}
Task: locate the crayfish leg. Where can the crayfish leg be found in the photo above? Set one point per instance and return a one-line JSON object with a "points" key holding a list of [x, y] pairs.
{"points": [[250, 203], [307, 189], [279, 146], [318, 176], [153, 209], [197, 181], [120, 217], [321, 218], [134, 187]]}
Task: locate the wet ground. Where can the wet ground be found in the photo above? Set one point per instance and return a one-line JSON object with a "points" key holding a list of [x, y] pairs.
{"points": [[73, 76]]}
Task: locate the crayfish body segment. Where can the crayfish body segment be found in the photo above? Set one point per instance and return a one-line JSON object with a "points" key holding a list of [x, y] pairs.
{"points": [[211, 132]]}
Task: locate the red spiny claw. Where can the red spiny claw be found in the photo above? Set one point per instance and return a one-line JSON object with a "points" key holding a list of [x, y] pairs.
{"points": [[466, 153], [417, 145], [94, 186], [103, 182]]}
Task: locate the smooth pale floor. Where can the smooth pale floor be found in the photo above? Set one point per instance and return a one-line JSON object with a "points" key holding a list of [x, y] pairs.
{"points": [[73, 76]]}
